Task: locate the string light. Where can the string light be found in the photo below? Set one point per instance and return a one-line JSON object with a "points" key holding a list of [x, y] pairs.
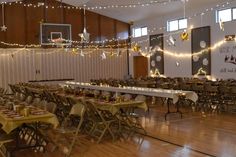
{"points": [[152, 30], [181, 55], [92, 44], [151, 3], [207, 10], [67, 46], [20, 45], [148, 53], [73, 51], [131, 5]]}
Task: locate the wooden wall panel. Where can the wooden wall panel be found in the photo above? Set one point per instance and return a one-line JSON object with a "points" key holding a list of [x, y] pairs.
{"points": [[33, 18], [55, 15], [16, 24], [2, 34], [107, 28], [24, 22], [121, 30], [74, 17], [93, 25]]}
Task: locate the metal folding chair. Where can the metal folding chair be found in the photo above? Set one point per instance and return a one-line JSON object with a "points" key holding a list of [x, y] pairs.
{"points": [[101, 124]]}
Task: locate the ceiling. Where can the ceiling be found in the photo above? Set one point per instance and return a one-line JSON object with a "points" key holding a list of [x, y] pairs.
{"points": [[138, 13]]}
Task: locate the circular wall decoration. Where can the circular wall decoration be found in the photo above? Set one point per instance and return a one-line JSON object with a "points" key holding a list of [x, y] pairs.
{"points": [[158, 58], [195, 58], [202, 44], [205, 61], [157, 48], [153, 63]]}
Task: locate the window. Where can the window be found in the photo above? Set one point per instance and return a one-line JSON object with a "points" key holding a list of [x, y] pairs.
{"points": [[224, 15], [175, 25], [144, 31], [141, 31], [137, 32], [183, 23], [234, 13]]}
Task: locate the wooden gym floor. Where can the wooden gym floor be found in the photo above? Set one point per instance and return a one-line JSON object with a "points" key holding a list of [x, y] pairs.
{"points": [[195, 135]]}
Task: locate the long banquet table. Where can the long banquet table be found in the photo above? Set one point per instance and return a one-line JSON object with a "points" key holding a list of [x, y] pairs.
{"points": [[169, 94], [164, 93], [11, 123], [112, 107], [16, 122]]}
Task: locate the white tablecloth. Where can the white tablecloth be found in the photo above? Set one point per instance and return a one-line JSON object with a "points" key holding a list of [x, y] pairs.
{"points": [[164, 93]]}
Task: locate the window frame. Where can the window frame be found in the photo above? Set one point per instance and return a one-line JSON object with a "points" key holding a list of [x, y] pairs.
{"points": [[169, 25], [134, 32], [223, 9], [233, 13], [141, 31], [179, 23], [178, 20]]}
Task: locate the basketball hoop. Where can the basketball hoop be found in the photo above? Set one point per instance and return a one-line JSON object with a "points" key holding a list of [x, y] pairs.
{"points": [[58, 41]]}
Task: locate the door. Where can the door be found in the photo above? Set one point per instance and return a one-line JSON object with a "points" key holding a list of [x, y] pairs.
{"points": [[140, 66]]}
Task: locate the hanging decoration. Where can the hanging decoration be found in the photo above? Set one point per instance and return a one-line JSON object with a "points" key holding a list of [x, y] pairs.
{"points": [[202, 42], [136, 48], [177, 64], [74, 52], [3, 27], [84, 35], [207, 10], [103, 55], [111, 54], [184, 36], [81, 53], [221, 23], [118, 49], [147, 53], [171, 41], [134, 5], [118, 53], [230, 38]]}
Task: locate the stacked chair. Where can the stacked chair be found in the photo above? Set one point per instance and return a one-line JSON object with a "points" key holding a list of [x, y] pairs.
{"points": [[212, 102]]}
